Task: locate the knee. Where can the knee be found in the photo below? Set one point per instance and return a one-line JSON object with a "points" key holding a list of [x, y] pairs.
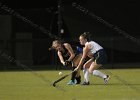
{"points": [[75, 63], [85, 66], [90, 71]]}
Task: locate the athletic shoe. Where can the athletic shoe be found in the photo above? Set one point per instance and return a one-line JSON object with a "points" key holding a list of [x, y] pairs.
{"points": [[85, 83], [106, 79], [71, 82], [75, 81]]}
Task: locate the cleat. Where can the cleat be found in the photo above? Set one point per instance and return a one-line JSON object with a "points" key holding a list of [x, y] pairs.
{"points": [[106, 79], [75, 81], [85, 83], [71, 82]]}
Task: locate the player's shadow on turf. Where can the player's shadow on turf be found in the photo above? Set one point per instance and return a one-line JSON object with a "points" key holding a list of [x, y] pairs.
{"points": [[115, 84]]}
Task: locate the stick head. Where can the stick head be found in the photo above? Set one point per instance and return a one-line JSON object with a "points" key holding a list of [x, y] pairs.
{"points": [[54, 84]]}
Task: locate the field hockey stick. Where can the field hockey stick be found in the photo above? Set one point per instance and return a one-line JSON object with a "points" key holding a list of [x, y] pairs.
{"points": [[62, 78]]}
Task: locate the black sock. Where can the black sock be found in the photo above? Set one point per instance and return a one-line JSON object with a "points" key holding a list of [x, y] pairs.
{"points": [[78, 79], [73, 74]]}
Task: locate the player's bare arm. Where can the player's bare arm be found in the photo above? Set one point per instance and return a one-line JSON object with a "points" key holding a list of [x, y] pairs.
{"points": [[61, 57], [70, 50]]}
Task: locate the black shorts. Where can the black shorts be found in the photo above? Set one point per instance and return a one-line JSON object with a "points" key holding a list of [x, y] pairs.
{"points": [[100, 57]]}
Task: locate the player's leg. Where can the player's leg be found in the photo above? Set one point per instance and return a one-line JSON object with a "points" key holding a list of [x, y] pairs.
{"points": [[100, 59], [97, 73], [75, 64], [93, 70], [86, 72], [75, 77], [78, 77], [76, 61]]}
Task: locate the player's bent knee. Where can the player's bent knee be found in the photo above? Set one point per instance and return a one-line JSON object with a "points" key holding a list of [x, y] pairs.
{"points": [[86, 66], [90, 71]]}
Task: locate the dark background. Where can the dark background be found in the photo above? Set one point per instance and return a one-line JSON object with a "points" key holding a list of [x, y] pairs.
{"points": [[30, 45]]}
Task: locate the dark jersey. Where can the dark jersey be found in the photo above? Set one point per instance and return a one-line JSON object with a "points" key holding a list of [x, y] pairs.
{"points": [[65, 53], [76, 49]]}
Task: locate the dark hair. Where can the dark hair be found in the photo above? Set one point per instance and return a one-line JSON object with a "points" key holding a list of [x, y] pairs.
{"points": [[86, 35]]}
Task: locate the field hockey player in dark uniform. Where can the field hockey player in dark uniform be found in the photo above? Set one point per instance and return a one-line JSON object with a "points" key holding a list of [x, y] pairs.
{"points": [[69, 56]]}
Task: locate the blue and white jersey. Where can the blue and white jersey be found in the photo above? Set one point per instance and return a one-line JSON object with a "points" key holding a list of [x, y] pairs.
{"points": [[94, 47]]}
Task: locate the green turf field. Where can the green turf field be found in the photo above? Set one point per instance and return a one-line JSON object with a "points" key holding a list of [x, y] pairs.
{"points": [[124, 84]]}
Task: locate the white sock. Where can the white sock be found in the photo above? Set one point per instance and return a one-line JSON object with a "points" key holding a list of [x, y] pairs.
{"points": [[99, 74], [86, 75]]}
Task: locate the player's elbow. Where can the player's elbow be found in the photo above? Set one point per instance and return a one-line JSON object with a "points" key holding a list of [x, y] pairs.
{"points": [[73, 55], [83, 58]]}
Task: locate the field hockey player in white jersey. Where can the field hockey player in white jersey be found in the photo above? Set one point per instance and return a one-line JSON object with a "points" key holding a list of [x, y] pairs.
{"points": [[97, 56]]}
